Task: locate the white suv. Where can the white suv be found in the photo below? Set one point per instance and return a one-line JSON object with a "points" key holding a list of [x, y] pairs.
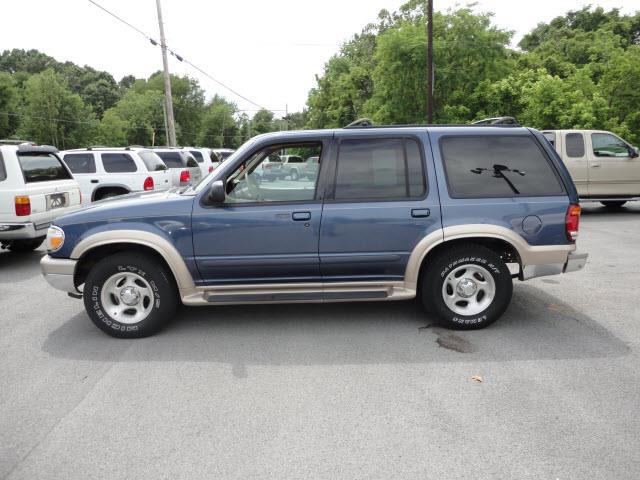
{"points": [[35, 188], [205, 158], [182, 165], [108, 172]]}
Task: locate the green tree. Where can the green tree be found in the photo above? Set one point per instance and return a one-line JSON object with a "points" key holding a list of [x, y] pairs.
{"points": [[54, 115], [219, 126], [142, 116], [9, 119], [263, 122]]}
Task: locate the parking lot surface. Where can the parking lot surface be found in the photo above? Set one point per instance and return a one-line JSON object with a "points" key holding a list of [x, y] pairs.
{"points": [[362, 390]]}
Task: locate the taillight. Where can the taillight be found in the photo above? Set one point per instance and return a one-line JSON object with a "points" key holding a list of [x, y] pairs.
{"points": [[23, 206], [148, 183], [211, 167], [184, 176], [572, 222]]}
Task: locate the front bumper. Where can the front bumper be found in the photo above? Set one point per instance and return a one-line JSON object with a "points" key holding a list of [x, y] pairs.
{"points": [[23, 231], [575, 261], [59, 272]]}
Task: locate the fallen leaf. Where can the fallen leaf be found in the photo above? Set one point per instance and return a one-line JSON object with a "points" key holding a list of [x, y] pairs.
{"points": [[477, 378]]}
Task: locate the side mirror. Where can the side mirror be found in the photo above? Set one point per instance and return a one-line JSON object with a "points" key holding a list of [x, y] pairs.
{"points": [[217, 192], [633, 152]]}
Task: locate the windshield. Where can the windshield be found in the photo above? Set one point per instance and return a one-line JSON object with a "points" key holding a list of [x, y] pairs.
{"points": [[224, 167]]}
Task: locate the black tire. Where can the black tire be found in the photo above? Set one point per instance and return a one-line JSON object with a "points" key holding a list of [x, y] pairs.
{"points": [[163, 301], [614, 203], [446, 263], [27, 245]]}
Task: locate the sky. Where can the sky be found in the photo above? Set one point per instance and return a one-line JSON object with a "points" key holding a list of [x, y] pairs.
{"points": [[268, 51]]}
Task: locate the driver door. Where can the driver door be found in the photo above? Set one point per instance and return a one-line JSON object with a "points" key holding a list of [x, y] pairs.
{"points": [[614, 169], [265, 231]]}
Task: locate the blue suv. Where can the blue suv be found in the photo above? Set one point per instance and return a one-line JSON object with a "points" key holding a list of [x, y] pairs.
{"points": [[450, 214]]}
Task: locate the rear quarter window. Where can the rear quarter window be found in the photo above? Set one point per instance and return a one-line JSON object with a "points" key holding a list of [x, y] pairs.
{"points": [[497, 166], [198, 156], [42, 167], [574, 144], [152, 161], [118, 163]]}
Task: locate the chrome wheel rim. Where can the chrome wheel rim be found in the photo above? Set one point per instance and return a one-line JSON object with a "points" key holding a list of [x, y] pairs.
{"points": [[468, 289], [127, 297]]}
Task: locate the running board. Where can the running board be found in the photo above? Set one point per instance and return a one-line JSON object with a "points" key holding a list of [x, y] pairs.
{"points": [[295, 296]]}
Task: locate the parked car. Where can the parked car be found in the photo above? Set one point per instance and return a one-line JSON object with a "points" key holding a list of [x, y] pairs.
{"points": [[271, 168], [206, 159], [183, 166], [35, 187], [448, 214], [604, 167], [104, 172], [292, 166]]}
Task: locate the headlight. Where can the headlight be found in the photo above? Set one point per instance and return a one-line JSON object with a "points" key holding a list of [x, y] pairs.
{"points": [[55, 238]]}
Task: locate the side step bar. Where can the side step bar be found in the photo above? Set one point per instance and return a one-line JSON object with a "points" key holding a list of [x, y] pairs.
{"points": [[295, 296]]}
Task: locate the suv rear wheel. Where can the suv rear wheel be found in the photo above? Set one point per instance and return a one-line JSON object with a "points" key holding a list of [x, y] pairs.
{"points": [[130, 296], [467, 287]]}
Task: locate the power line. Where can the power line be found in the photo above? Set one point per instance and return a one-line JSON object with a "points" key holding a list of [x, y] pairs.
{"points": [[177, 56]]}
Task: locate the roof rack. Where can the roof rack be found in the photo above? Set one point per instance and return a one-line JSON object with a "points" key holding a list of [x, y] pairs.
{"points": [[504, 120], [424, 125], [361, 122]]}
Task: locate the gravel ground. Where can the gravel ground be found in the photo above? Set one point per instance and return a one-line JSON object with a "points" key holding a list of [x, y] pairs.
{"points": [[362, 390]]}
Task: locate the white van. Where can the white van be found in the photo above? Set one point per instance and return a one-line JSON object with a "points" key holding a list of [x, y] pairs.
{"points": [[604, 167], [35, 188]]}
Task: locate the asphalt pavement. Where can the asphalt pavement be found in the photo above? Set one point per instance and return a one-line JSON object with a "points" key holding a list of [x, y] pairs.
{"points": [[360, 390]]}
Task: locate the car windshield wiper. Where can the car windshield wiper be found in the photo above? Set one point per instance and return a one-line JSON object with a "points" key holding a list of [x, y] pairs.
{"points": [[498, 172]]}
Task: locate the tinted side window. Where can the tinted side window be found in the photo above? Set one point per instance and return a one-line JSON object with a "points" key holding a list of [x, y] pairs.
{"points": [[197, 155], [575, 145], [190, 161], [379, 169], [171, 159], [497, 166], [42, 167], [118, 163], [80, 162], [3, 170], [607, 145]]}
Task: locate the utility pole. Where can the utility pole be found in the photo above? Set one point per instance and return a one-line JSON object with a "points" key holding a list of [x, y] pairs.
{"points": [[429, 61], [171, 126]]}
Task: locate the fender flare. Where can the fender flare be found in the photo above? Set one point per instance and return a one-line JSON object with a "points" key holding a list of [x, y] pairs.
{"points": [[138, 237]]}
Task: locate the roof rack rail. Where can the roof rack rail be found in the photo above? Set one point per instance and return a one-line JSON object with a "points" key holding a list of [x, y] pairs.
{"points": [[361, 122], [504, 120], [425, 125]]}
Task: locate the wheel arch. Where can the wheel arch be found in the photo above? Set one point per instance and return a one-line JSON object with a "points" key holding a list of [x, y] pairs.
{"points": [[109, 187], [95, 247], [505, 242]]}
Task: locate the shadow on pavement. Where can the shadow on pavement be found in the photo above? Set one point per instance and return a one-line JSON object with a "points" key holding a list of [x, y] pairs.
{"points": [[24, 265], [536, 326]]}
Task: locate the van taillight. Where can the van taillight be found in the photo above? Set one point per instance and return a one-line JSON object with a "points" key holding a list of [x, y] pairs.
{"points": [[148, 183], [572, 222], [23, 206], [184, 176], [211, 167]]}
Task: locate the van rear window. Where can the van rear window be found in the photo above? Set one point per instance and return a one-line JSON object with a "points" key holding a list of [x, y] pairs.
{"points": [[171, 159], [42, 167], [497, 166], [197, 155]]}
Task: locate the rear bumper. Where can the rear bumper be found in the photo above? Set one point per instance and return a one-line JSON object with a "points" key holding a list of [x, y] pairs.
{"points": [[575, 261], [59, 273], [23, 231]]}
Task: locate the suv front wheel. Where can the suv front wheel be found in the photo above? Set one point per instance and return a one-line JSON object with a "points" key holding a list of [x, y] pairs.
{"points": [[467, 287], [130, 296]]}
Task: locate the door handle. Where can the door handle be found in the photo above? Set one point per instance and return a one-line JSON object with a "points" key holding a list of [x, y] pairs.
{"points": [[420, 212], [595, 165], [301, 216], [94, 181]]}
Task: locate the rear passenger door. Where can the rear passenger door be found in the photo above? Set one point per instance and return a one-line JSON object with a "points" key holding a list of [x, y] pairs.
{"points": [[381, 202], [122, 171], [83, 168]]}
